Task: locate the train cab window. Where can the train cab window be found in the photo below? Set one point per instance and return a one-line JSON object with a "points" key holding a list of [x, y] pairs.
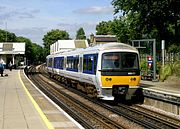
{"points": [[111, 61], [89, 63], [120, 60], [130, 61]]}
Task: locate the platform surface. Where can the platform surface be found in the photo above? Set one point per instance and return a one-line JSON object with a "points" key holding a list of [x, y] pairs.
{"points": [[169, 87], [16, 110], [24, 107]]}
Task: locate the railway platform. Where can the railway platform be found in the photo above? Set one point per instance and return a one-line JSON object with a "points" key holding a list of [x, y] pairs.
{"points": [[23, 106], [162, 95], [168, 87]]}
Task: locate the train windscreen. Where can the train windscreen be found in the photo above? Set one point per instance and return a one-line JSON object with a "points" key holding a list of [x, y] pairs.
{"points": [[120, 61]]}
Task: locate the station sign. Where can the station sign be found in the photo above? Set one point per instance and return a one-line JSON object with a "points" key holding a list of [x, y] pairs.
{"points": [[150, 61]]}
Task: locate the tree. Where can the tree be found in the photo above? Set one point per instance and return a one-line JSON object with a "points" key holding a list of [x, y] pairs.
{"points": [[120, 28], [155, 17], [53, 36], [34, 52], [28, 48], [38, 54], [80, 34], [103, 28], [6, 36]]}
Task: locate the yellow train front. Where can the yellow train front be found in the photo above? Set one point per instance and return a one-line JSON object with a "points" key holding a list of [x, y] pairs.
{"points": [[118, 73]]}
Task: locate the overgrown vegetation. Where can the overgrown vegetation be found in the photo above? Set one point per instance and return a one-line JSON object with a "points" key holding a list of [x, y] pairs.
{"points": [[171, 69]]}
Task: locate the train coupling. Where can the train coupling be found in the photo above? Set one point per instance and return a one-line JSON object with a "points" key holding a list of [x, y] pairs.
{"points": [[120, 89]]}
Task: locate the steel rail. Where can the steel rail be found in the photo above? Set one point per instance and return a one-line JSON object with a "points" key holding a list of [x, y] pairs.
{"points": [[106, 122]]}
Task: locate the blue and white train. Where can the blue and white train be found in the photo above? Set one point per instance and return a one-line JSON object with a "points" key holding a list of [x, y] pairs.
{"points": [[107, 71]]}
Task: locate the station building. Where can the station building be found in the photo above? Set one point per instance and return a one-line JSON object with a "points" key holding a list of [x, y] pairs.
{"points": [[12, 52], [102, 39]]}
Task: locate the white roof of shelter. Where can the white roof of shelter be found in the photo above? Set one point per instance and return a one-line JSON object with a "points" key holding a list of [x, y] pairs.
{"points": [[12, 48]]}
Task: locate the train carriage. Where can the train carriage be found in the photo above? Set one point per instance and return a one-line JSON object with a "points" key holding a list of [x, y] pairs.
{"points": [[107, 71]]}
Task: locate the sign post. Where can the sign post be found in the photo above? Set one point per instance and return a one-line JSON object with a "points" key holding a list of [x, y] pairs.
{"points": [[163, 49], [154, 52]]}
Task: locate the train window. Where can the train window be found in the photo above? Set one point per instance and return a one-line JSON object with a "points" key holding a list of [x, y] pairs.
{"points": [[50, 62], [111, 61], [119, 60], [84, 63], [130, 61], [58, 62], [61, 64], [72, 63], [90, 63]]}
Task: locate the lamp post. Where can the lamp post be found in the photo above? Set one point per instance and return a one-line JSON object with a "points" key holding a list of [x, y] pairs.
{"points": [[163, 48]]}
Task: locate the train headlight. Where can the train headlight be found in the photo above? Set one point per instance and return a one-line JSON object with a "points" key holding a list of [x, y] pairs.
{"points": [[133, 79]]}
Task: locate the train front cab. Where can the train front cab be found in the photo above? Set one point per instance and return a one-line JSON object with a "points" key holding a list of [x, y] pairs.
{"points": [[119, 75]]}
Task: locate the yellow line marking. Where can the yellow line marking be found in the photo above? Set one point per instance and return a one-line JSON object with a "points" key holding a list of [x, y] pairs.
{"points": [[43, 117]]}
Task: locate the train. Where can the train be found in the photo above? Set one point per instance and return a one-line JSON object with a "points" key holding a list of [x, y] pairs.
{"points": [[108, 71]]}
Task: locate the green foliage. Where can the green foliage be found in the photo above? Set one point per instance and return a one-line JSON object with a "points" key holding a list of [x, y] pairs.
{"points": [[80, 34], [143, 65], [28, 47], [120, 28], [151, 18], [170, 69], [53, 36], [6, 36], [34, 52], [176, 68], [104, 28], [167, 71], [174, 48], [38, 54]]}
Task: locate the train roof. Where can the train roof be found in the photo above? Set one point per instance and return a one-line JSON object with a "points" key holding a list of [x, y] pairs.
{"points": [[99, 47], [113, 45]]}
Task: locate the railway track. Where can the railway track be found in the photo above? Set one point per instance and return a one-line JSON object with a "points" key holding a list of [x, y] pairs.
{"points": [[148, 118], [136, 114], [140, 115], [86, 116]]}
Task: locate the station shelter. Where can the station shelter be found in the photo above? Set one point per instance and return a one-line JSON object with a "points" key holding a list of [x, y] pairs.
{"points": [[102, 39], [12, 52]]}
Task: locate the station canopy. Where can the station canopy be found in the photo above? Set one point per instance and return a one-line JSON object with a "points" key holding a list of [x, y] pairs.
{"points": [[12, 48]]}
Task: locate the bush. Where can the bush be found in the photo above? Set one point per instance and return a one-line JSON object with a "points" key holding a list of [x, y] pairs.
{"points": [[176, 68], [174, 48], [143, 65], [170, 69]]}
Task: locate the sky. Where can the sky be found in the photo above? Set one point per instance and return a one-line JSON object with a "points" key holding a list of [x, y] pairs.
{"points": [[34, 18]]}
